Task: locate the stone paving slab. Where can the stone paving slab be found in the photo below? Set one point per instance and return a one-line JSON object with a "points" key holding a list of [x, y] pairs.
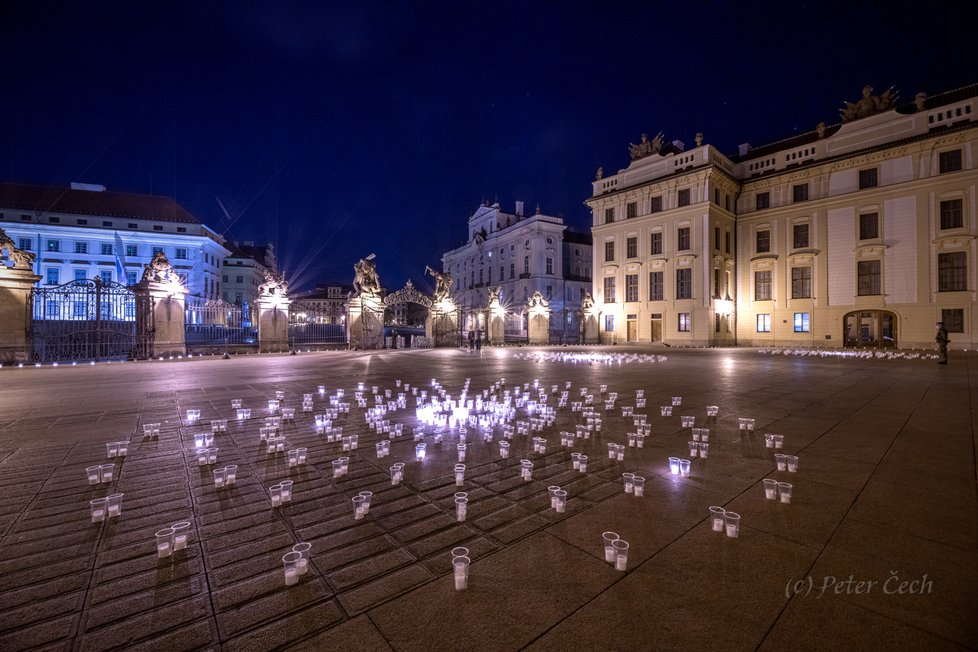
{"points": [[886, 488]]}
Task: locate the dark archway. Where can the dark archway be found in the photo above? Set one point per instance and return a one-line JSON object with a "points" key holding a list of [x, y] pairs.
{"points": [[870, 328]]}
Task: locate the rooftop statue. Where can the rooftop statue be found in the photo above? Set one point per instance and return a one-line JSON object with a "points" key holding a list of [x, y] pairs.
{"points": [[869, 104], [11, 256], [366, 280], [646, 147], [274, 285], [443, 284], [158, 270]]}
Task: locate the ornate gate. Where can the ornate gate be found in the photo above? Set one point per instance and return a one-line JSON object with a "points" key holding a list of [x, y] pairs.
{"points": [[83, 320], [313, 323]]}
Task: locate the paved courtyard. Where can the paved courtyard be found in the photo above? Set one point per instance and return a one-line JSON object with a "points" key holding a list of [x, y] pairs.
{"points": [[878, 547]]}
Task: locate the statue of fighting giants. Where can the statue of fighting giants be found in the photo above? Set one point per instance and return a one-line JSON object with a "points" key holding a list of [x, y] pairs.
{"points": [[366, 280], [274, 285], [869, 104], [158, 270], [11, 256], [443, 284], [646, 147]]}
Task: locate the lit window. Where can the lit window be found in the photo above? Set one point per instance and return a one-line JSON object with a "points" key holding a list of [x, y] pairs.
{"points": [[762, 285], [609, 289], [631, 287], [801, 322], [801, 282], [685, 324], [609, 323], [764, 323]]}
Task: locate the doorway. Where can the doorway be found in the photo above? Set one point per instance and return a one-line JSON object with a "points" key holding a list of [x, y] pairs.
{"points": [[656, 327], [870, 328], [631, 328]]}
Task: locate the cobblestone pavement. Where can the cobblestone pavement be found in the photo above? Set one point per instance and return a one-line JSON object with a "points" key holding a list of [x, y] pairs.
{"points": [[877, 547]]}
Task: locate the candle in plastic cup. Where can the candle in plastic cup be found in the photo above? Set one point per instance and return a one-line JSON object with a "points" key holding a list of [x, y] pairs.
{"points": [[460, 568], [792, 463], [212, 455], [606, 539], [460, 551], [181, 533], [235, 403], [346, 464], [769, 441], [164, 542], [582, 462], [396, 475], [220, 477], [620, 548], [694, 449], [704, 450], [231, 473], [526, 470], [576, 461], [112, 449], [337, 468], [304, 549], [639, 488], [367, 495], [419, 451], [716, 518], [459, 475], [106, 471], [293, 458], [560, 500], [712, 410], [674, 465], [770, 489], [99, 507], [461, 507], [291, 562], [731, 521], [359, 511], [779, 459], [684, 468], [94, 474], [286, 490], [784, 490], [553, 500], [275, 492], [461, 452], [778, 440], [665, 410], [629, 482]]}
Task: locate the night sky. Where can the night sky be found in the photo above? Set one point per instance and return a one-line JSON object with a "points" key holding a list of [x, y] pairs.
{"points": [[335, 130]]}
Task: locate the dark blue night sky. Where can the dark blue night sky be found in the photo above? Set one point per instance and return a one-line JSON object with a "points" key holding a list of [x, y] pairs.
{"points": [[339, 129]]}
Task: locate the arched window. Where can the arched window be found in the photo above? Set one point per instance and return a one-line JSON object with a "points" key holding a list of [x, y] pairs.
{"points": [[526, 264]]}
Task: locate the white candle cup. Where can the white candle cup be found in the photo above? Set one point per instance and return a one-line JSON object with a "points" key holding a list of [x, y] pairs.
{"points": [[620, 547], [770, 489], [696, 434], [302, 453], [639, 393], [791, 461], [560, 501], [112, 449], [504, 449], [665, 410], [526, 470], [271, 444], [220, 478], [461, 507], [291, 561], [275, 493], [461, 452], [358, 509], [305, 550], [279, 394], [704, 450], [272, 405], [612, 451], [460, 572], [640, 402], [628, 479], [459, 475], [576, 461], [778, 441], [750, 425], [337, 468], [164, 542], [379, 446], [674, 465], [780, 461], [115, 505], [106, 471], [712, 410], [640, 440], [688, 421], [731, 522], [694, 449], [784, 490], [639, 486], [609, 551], [684, 468], [582, 463], [286, 490], [212, 455], [235, 403], [551, 489], [396, 475], [769, 441], [367, 495], [742, 423], [99, 509], [716, 518], [354, 441], [419, 451], [181, 534], [94, 474], [677, 400], [346, 443]]}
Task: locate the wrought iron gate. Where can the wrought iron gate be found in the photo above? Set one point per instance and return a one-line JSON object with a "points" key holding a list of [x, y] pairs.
{"points": [[312, 323], [216, 325], [83, 320]]}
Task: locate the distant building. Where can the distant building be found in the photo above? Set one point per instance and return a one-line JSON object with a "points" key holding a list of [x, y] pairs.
{"points": [[327, 303], [75, 232], [244, 270], [520, 254], [861, 233]]}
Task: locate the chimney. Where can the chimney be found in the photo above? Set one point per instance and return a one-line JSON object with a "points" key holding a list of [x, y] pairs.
{"points": [[678, 144], [743, 148], [519, 209]]}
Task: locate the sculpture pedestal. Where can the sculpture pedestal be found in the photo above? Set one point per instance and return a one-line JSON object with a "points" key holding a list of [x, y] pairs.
{"points": [[273, 324], [589, 329], [538, 329], [366, 322], [160, 319], [497, 329], [15, 290]]}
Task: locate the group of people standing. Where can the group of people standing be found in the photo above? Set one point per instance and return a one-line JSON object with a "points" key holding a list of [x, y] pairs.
{"points": [[475, 340]]}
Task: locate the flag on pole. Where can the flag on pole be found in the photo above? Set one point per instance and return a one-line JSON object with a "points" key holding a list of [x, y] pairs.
{"points": [[120, 259]]}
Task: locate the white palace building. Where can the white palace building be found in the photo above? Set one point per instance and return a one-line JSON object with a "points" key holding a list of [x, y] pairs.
{"points": [[860, 233], [85, 231]]}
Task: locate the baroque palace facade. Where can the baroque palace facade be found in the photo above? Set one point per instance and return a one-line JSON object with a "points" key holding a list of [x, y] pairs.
{"points": [[861, 233]]}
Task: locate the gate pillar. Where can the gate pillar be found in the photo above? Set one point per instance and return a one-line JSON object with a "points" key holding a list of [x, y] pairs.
{"points": [[16, 285], [273, 323], [165, 304], [538, 328]]}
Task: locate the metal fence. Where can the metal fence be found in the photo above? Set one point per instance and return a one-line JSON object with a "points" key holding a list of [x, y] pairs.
{"points": [[313, 323], [83, 320], [214, 325]]}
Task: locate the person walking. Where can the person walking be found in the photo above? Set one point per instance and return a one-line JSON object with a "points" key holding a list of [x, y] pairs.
{"points": [[942, 340]]}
